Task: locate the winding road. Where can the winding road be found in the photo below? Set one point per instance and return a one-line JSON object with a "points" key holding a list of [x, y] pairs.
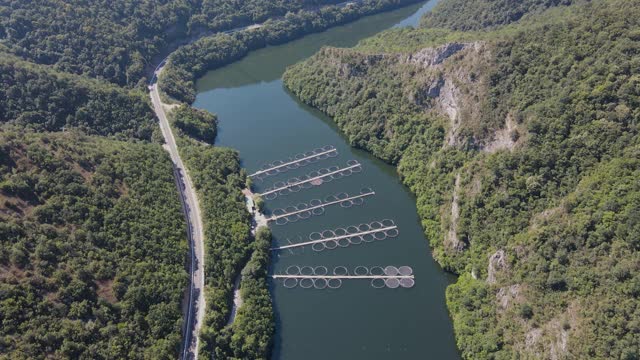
{"points": [[196, 306], [195, 230]]}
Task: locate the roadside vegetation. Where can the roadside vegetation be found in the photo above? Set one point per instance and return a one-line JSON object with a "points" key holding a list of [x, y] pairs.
{"points": [[251, 334], [198, 124], [521, 143], [92, 248], [219, 180]]}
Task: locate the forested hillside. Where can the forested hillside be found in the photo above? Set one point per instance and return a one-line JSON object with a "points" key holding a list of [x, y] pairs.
{"points": [[116, 39], [92, 248], [521, 143], [92, 237], [40, 98], [191, 61], [482, 14]]}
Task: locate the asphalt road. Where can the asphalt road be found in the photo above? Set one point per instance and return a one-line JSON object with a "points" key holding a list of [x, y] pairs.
{"points": [[196, 305]]}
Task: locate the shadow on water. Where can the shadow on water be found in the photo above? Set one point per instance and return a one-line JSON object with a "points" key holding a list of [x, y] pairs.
{"points": [[258, 117]]}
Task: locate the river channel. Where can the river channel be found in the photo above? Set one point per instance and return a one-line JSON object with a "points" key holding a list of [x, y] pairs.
{"points": [[260, 119]]}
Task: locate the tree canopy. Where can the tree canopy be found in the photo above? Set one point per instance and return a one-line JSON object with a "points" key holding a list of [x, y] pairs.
{"points": [[521, 144], [92, 248], [189, 62], [115, 40]]}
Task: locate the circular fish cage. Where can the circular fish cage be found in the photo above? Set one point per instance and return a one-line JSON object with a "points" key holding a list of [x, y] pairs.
{"points": [[361, 271], [290, 283], [334, 283], [320, 270], [392, 283], [307, 270], [377, 283], [306, 283], [340, 271], [405, 270], [293, 270], [407, 282], [391, 271], [376, 271], [320, 283]]}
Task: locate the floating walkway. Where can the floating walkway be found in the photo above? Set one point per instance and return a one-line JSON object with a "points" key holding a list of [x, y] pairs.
{"points": [[316, 207], [319, 278], [314, 178], [344, 237], [296, 161]]}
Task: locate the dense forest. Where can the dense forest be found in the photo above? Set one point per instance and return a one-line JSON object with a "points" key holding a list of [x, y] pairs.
{"points": [[198, 124], [92, 248], [192, 61], [42, 99], [93, 243], [521, 143], [251, 334], [482, 14], [116, 40]]}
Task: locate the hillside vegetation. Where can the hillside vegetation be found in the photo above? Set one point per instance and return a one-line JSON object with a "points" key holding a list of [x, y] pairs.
{"points": [[43, 99], [115, 40], [191, 61], [483, 14], [521, 143], [92, 248]]}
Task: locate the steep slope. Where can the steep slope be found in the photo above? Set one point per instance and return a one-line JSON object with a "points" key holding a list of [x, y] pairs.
{"points": [[92, 248], [498, 133], [482, 14], [43, 99]]}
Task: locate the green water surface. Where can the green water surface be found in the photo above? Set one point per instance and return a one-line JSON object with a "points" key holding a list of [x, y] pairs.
{"points": [[264, 122]]}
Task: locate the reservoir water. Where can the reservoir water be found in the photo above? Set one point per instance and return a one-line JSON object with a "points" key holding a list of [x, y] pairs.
{"points": [[356, 321]]}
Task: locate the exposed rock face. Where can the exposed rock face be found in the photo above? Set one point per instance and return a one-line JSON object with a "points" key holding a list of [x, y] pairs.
{"points": [[497, 262], [449, 104], [505, 138], [449, 80], [435, 56], [551, 339], [507, 296], [451, 238], [434, 90], [532, 337], [455, 91]]}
